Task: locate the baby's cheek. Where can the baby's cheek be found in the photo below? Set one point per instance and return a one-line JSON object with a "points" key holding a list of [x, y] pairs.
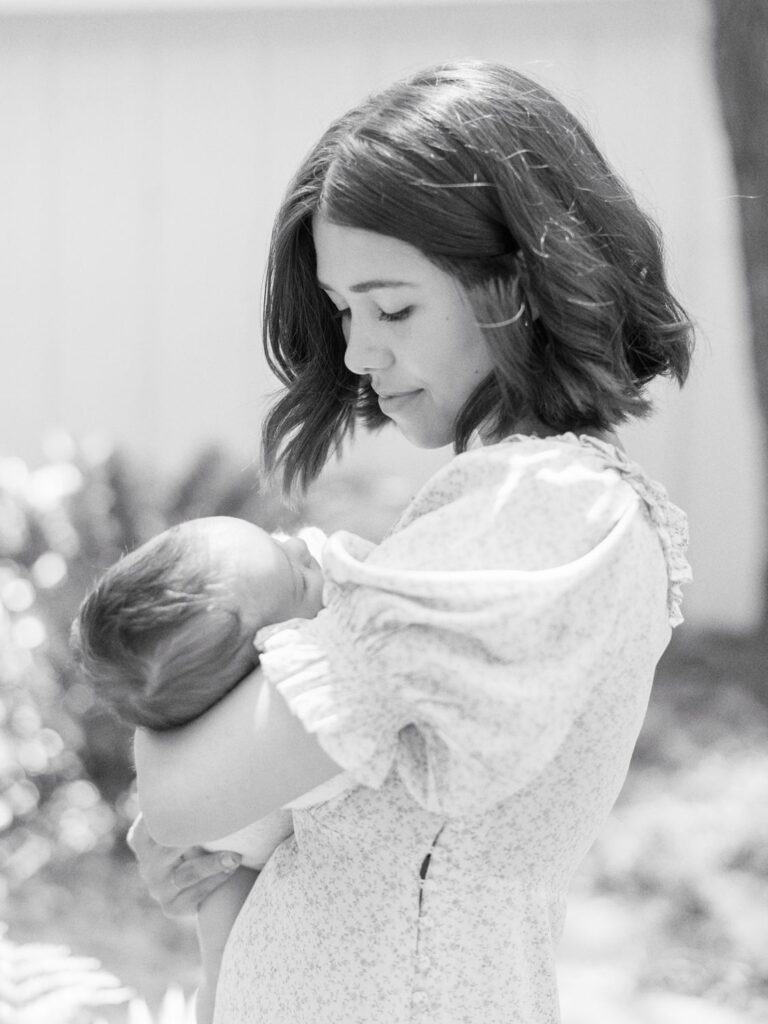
{"points": [[315, 600]]}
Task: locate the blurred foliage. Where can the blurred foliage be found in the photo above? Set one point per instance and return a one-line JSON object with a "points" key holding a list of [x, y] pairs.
{"points": [[65, 770], [45, 984], [42, 983], [685, 851]]}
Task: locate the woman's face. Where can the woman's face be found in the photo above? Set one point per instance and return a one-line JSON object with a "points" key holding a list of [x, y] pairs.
{"points": [[408, 326]]}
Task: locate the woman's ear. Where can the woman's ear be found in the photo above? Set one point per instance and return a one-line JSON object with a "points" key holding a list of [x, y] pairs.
{"points": [[504, 301]]}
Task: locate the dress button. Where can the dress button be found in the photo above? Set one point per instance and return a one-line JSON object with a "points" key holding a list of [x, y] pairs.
{"points": [[429, 885], [420, 1000], [424, 962]]}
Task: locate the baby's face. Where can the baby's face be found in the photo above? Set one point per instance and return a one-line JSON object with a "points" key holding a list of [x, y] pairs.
{"points": [[274, 580]]}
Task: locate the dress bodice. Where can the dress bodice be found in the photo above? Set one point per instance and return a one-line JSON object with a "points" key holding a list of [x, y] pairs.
{"points": [[482, 676]]}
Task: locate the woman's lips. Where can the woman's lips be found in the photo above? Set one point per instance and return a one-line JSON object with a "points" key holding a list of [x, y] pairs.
{"points": [[393, 402]]}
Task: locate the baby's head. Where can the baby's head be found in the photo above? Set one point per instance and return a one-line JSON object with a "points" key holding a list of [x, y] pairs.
{"points": [[169, 629]]}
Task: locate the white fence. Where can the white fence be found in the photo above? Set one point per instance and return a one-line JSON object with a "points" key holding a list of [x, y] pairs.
{"points": [[142, 156]]}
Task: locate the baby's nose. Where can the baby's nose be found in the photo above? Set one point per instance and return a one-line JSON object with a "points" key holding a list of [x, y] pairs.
{"points": [[299, 550], [315, 540]]}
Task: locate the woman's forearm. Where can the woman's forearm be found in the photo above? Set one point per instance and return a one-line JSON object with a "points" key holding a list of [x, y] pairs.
{"points": [[243, 759], [215, 917]]}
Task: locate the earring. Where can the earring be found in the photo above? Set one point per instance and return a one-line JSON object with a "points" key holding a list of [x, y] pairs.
{"points": [[522, 313], [512, 320]]}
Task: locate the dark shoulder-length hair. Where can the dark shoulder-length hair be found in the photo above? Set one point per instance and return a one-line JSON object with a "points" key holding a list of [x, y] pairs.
{"points": [[495, 182]]}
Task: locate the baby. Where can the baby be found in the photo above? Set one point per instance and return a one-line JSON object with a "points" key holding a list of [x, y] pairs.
{"points": [[169, 630]]}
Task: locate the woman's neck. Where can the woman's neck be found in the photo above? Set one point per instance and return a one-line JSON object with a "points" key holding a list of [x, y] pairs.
{"points": [[535, 428]]}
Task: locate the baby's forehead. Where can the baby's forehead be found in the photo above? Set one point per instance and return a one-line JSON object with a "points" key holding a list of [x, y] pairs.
{"points": [[227, 532], [238, 547]]}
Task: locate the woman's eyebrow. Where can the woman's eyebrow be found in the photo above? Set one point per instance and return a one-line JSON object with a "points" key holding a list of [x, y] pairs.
{"points": [[369, 286]]}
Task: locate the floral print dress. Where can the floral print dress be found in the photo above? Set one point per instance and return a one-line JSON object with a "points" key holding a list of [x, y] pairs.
{"points": [[481, 677]]}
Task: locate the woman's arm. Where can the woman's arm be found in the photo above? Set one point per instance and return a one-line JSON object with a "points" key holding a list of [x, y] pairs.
{"points": [[215, 917], [243, 759]]}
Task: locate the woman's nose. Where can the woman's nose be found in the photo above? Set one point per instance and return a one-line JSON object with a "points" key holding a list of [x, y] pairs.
{"points": [[364, 353]]}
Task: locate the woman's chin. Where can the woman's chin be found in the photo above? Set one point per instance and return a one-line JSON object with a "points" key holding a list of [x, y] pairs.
{"points": [[425, 436]]}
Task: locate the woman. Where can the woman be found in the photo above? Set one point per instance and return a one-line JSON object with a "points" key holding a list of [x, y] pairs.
{"points": [[453, 256]]}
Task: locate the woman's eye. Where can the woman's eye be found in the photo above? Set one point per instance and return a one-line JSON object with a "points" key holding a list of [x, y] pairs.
{"points": [[401, 314]]}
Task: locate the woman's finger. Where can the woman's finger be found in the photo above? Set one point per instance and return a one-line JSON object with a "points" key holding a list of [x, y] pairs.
{"points": [[194, 869], [187, 900], [178, 879]]}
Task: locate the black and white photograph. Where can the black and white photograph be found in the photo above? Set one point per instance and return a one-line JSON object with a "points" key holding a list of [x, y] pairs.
{"points": [[383, 592]]}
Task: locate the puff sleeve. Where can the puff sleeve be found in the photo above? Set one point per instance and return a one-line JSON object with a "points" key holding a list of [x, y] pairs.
{"points": [[461, 651]]}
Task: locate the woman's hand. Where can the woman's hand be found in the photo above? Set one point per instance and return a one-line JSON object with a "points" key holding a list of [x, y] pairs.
{"points": [[179, 878]]}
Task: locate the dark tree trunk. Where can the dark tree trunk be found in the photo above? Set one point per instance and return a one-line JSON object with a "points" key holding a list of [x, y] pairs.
{"points": [[741, 60]]}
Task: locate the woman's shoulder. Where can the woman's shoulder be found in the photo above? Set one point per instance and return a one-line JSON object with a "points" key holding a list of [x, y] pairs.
{"points": [[537, 502], [521, 462], [578, 466]]}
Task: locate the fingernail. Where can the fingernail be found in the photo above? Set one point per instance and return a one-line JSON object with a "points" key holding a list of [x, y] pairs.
{"points": [[229, 861]]}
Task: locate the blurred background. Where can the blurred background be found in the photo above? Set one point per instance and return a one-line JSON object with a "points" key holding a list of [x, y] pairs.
{"points": [[144, 149]]}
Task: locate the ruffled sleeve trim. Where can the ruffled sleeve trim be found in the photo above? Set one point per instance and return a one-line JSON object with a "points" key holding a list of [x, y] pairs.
{"points": [[352, 732]]}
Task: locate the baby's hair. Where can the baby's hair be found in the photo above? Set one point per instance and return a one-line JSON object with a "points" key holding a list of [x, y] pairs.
{"points": [[497, 183], [138, 635]]}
